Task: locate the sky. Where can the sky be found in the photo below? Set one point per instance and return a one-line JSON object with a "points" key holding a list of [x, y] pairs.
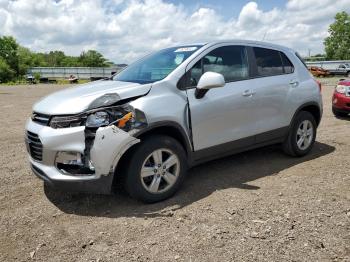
{"points": [[125, 30], [227, 8]]}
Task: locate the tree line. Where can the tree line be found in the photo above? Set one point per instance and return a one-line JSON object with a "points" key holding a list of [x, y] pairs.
{"points": [[15, 60]]}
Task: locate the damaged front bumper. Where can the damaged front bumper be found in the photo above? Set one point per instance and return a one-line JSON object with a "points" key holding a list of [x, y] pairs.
{"points": [[64, 158]]}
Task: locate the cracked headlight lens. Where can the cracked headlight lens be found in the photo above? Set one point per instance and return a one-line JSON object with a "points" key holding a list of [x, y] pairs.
{"points": [[124, 117], [97, 119]]}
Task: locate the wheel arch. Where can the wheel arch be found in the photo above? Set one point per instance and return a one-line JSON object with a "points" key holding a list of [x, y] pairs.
{"points": [[311, 107], [168, 128]]}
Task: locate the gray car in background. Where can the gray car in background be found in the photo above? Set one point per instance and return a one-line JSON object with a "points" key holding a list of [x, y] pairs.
{"points": [[171, 110]]}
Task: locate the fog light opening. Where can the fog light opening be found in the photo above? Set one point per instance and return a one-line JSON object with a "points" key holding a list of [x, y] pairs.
{"points": [[71, 163]]}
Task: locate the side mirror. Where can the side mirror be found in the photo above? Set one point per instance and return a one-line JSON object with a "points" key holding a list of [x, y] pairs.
{"points": [[208, 81]]}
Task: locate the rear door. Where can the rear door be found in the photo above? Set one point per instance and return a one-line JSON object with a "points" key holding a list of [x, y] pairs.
{"points": [[224, 114], [275, 77]]}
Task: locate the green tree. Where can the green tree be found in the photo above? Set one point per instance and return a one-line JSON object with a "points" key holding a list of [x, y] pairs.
{"points": [[92, 58], [71, 61], [55, 58], [337, 44], [39, 59], [25, 60], [6, 73], [8, 52]]}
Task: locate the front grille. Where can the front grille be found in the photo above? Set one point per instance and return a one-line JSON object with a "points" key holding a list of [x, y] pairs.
{"points": [[35, 146], [41, 118]]}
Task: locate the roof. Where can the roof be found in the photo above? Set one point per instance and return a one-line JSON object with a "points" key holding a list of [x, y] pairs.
{"points": [[236, 42], [249, 42]]}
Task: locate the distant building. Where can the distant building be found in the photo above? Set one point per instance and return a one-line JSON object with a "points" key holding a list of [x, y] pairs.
{"points": [[92, 73]]}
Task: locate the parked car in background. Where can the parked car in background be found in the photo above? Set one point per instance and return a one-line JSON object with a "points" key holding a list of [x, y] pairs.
{"points": [[341, 98], [173, 109], [333, 67], [342, 69], [31, 79], [73, 79], [318, 71]]}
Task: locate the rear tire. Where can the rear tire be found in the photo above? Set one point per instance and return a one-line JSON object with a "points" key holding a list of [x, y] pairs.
{"points": [[301, 136], [156, 169], [339, 113]]}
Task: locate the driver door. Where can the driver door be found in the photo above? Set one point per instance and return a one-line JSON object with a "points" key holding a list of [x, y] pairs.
{"points": [[225, 116]]}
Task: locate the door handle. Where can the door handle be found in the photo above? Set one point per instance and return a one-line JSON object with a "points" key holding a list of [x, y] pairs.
{"points": [[248, 93], [293, 83]]}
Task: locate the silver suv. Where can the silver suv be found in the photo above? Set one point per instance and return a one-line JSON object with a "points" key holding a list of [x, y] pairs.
{"points": [[169, 111]]}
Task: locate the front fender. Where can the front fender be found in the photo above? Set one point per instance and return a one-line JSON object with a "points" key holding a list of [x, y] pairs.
{"points": [[109, 145]]}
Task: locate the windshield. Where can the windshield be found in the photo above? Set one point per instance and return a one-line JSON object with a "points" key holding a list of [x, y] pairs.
{"points": [[156, 66]]}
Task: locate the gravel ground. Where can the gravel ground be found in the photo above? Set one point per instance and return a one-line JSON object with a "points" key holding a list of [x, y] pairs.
{"points": [[255, 206]]}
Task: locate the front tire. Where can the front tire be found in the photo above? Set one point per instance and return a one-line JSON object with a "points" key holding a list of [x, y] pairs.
{"points": [[302, 134], [156, 169]]}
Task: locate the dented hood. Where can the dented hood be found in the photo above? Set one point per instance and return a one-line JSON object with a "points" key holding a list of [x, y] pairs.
{"points": [[77, 99]]}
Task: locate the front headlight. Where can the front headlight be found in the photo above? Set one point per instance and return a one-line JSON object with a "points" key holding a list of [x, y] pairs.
{"points": [[103, 111], [124, 117], [341, 89], [97, 119], [67, 121]]}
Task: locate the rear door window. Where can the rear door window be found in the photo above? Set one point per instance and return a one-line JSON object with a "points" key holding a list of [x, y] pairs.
{"points": [[288, 67], [268, 61]]}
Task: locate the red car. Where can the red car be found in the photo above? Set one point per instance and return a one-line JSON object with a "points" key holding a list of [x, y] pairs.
{"points": [[341, 98]]}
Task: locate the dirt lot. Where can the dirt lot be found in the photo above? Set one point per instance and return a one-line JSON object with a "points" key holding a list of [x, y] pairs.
{"points": [[260, 205]]}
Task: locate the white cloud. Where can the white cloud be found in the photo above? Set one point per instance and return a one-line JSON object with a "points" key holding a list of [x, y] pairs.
{"points": [[251, 16], [125, 30]]}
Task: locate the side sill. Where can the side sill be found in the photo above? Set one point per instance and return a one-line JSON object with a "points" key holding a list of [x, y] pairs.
{"points": [[241, 145]]}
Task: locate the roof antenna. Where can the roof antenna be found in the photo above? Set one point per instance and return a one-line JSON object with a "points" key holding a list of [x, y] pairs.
{"points": [[264, 36]]}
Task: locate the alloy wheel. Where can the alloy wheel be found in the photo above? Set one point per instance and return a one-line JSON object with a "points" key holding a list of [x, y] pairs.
{"points": [[160, 171], [305, 134]]}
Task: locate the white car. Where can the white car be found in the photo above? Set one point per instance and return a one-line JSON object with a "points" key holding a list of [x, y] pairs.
{"points": [[169, 111]]}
